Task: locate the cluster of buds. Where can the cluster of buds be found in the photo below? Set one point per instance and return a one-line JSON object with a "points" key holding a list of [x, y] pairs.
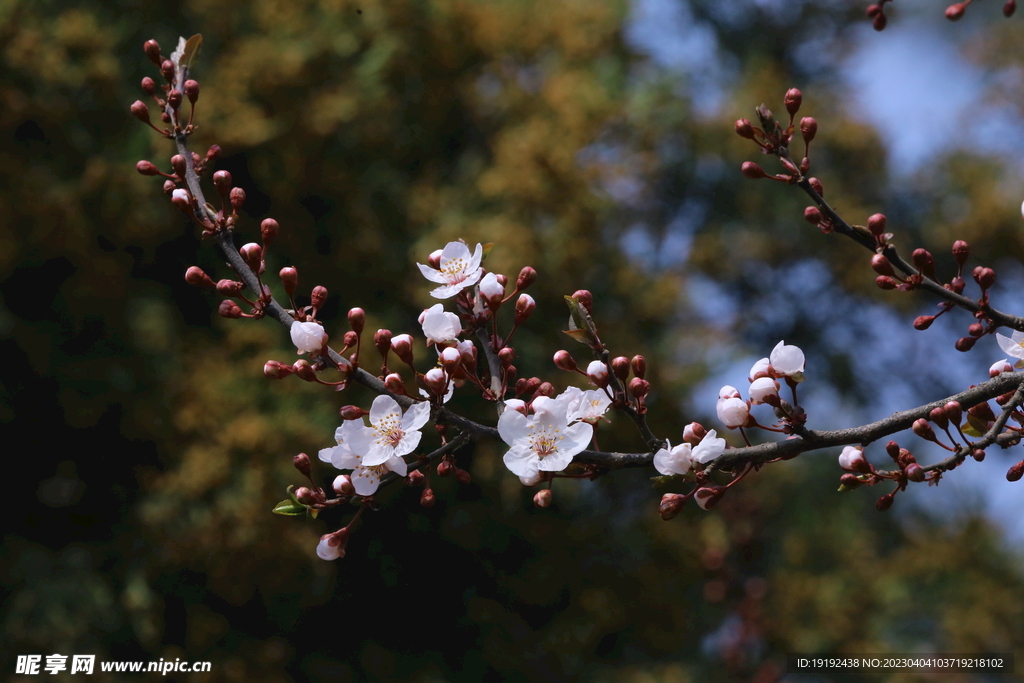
{"points": [[775, 140], [954, 12]]}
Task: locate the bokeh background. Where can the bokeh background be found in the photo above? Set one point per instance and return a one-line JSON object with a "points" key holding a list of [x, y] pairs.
{"points": [[591, 140]]}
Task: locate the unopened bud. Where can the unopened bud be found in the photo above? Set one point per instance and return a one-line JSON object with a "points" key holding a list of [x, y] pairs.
{"points": [[694, 433], [445, 468], [342, 485], [542, 498], [975, 329], [167, 70], [196, 277], [708, 496], [978, 454], [275, 370], [639, 388], [222, 181], [318, 297], [229, 287], [416, 478], [527, 276], [961, 251], [850, 480], [639, 365], [140, 111], [671, 504], [301, 462], [525, 306], [923, 322], [924, 262], [545, 389], [174, 99], [304, 370], [885, 502], [506, 356], [304, 495], [585, 299], [885, 282], [192, 91], [427, 498], [879, 22], [999, 367], [237, 199], [915, 472], [923, 429], [393, 383], [357, 319], [1009, 7], [881, 265], [812, 215], [816, 186], [252, 254], [808, 129], [965, 344], [152, 50], [147, 168], [752, 170], [939, 417], [289, 279], [876, 224], [792, 101], [955, 11], [744, 129], [229, 309], [213, 152], [985, 277], [597, 373], [953, 412], [620, 367], [351, 412], [1015, 472], [402, 346], [892, 449], [436, 381], [564, 361]]}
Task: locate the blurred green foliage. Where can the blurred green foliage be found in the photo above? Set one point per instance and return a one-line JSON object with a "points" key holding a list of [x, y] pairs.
{"points": [[376, 132]]}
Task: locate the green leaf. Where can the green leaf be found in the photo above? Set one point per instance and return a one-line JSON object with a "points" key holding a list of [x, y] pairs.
{"points": [[974, 427], [191, 50], [289, 507]]}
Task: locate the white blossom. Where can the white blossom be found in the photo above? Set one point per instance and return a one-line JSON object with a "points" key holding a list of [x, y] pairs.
{"points": [[458, 269], [761, 388], [325, 551], [709, 448], [440, 325], [541, 442], [307, 337], [999, 367], [676, 460], [390, 434], [760, 368], [787, 361], [850, 457], [585, 406], [365, 479], [1013, 346], [490, 288], [733, 412]]}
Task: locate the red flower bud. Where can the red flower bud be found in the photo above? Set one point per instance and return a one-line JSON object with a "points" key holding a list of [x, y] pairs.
{"points": [[564, 361], [197, 277], [881, 265], [808, 129], [351, 412], [527, 276], [639, 366], [892, 449], [152, 50], [639, 388], [816, 186], [953, 412], [318, 297], [178, 165], [620, 367], [276, 370], [978, 454], [812, 215], [542, 498], [356, 319], [304, 370], [985, 277], [427, 498], [445, 468], [792, 101], [213, 152], [1009, 7], [174, 99], [955, 11], [301, 462], [850, 480], [923, 322], [289, 279], [744, 129], [585, 299], [167, 70], [752, 170], [873, 11], [885, 282], [885, 502], [915, 472], [222, 181], [140, 111], [147, 168], [192, 91], [252, 254], [545, 389], [924, 262], [671, 504], [965, 344], [237, 198], [229, 309], [525, 306], [1015, 472], [961, 250], [876, 224], [229, 287]]}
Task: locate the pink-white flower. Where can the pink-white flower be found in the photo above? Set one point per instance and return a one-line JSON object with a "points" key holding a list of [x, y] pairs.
{"points": [[598, 373], [541, 442], [788, 361], [491, 290], [1013, 346], [709, 448], [759, 369], [458, 269], [733, 412], [676, 460], [329, 548], [307, 337], [763, 388], [365, 479], [440, 325], [390, 434], [999, 367], [585, 406], [851, 458]]}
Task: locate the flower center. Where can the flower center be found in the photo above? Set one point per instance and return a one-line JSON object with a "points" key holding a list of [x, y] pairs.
{"points": [[545, 442], [454, 270], [389, 429]]}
